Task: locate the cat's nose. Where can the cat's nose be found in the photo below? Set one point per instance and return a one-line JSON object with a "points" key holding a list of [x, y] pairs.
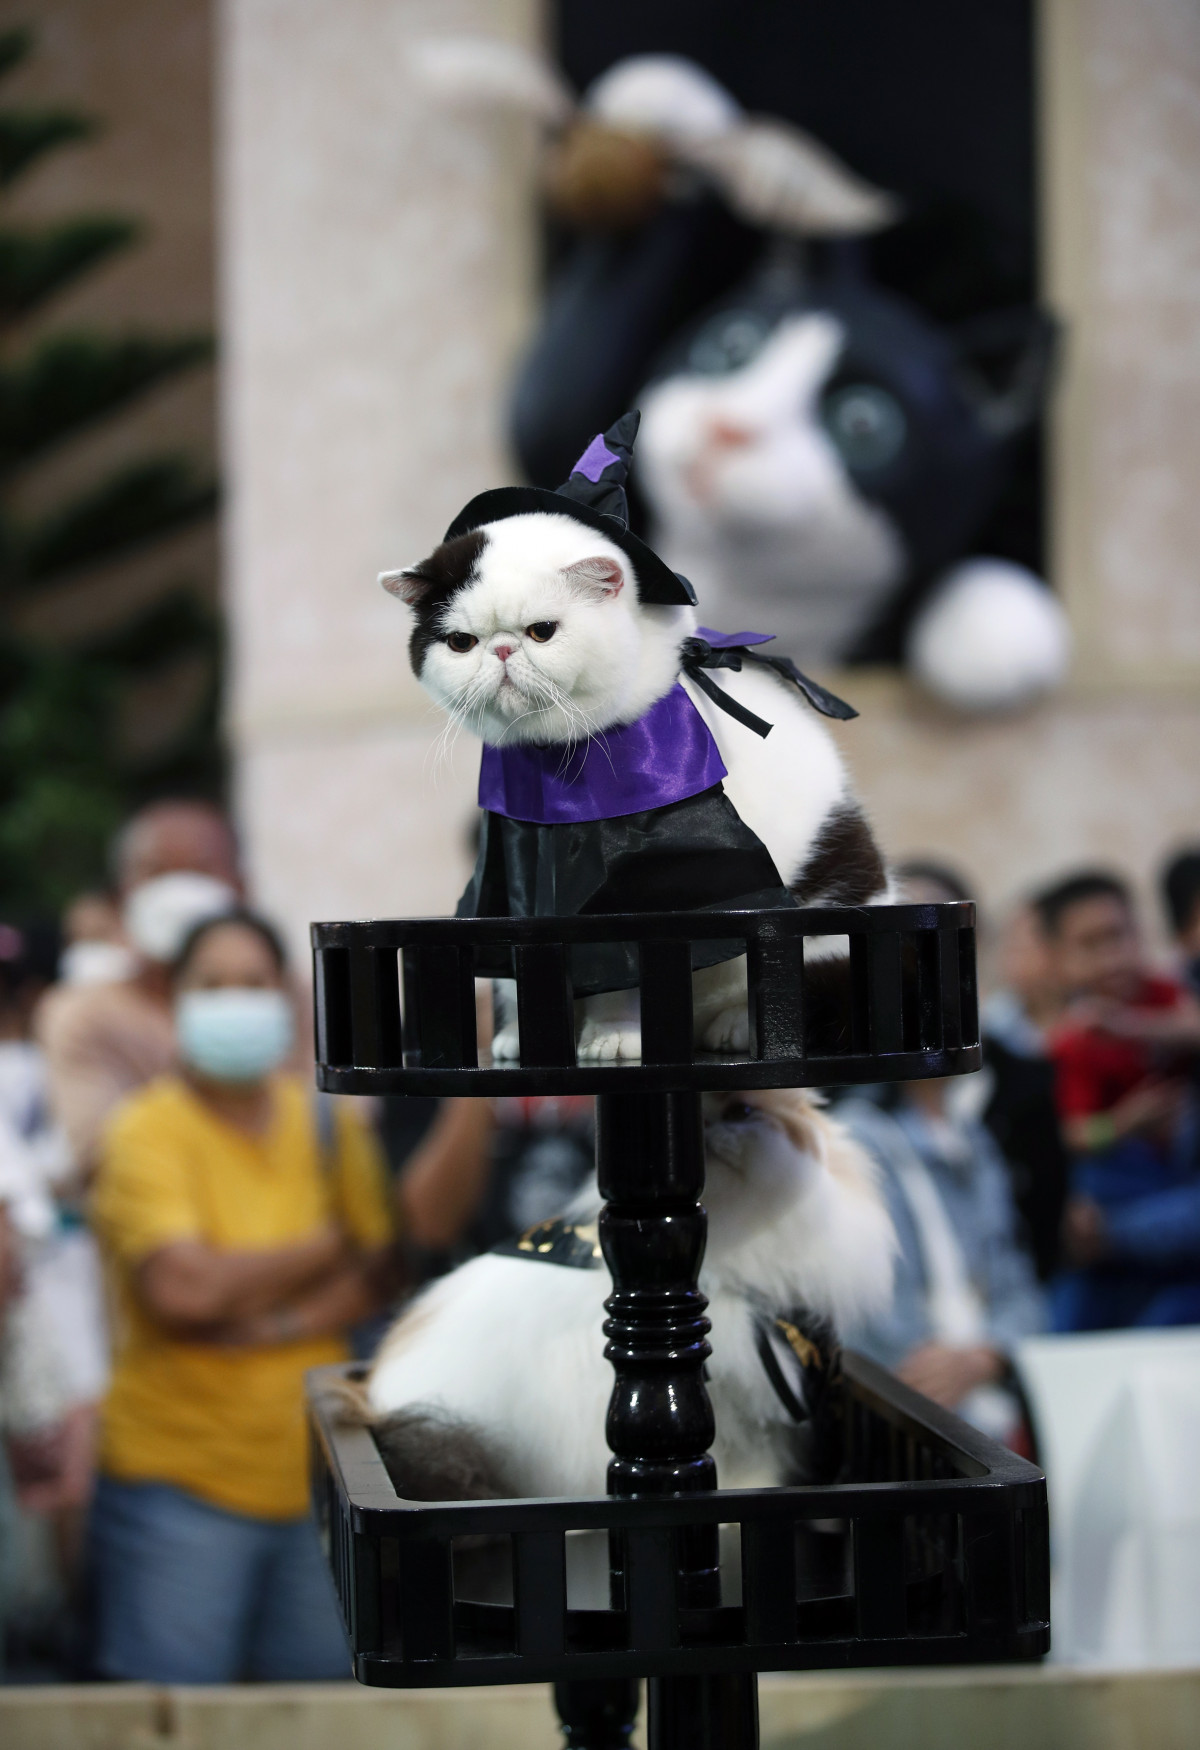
{"points": [[726, 434], [503, 651]]}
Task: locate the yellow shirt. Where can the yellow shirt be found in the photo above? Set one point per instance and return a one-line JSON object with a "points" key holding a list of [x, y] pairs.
{"points": [[225, 1424]]}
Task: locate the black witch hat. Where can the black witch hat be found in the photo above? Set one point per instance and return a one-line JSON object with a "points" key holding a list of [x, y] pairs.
{"points": [[593, 494]]}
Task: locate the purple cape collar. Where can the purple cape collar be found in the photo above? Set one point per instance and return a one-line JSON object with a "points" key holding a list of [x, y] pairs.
{"points": [[665, 756]]}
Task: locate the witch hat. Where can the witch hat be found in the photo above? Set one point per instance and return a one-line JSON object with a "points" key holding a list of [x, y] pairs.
{"points": [[594, 493]]}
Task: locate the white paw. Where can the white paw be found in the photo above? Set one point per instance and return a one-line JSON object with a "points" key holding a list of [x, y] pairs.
{"points": [[506, 1046], [601, 1042], [990, 638], [728, 1031]]}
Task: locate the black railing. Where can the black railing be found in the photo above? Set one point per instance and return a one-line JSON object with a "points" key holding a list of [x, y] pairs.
{"points": [[932, 1551], [933, 1547], [395, 1003]]}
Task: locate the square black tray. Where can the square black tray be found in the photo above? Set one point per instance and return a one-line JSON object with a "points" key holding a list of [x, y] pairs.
{"points": [[934, 1550]]}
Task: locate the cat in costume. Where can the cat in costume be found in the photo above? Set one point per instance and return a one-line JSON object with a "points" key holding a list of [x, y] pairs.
{"points": [[618, 774], [494, 1382]]}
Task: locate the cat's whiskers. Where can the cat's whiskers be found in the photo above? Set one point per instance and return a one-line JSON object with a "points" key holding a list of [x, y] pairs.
{"points": [[576, 719], [442, 749]]}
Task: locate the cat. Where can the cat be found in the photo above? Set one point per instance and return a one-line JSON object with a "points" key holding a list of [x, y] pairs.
{"points": [[816, 446], [814, 451], [493, 1383], [535, 631]]}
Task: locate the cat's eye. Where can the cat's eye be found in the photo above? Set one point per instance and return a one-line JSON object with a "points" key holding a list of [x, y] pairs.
{"points": [[728, 342], [867, 424], [461, 642], [542, 631], [736, 1112]]}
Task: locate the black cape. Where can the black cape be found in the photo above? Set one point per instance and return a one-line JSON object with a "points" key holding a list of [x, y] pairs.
{"points": [[694, 855]]}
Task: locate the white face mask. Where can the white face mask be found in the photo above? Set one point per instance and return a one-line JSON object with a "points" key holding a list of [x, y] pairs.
{"points": [[96, 963], [235, 1034], [159, 915]]}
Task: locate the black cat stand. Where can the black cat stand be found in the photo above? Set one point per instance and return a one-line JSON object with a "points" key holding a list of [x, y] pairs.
{"points": [[933, 1550]]}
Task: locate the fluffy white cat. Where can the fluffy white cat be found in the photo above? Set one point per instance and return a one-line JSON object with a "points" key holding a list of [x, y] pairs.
{"points": [[494, 1381], [531, 630]]}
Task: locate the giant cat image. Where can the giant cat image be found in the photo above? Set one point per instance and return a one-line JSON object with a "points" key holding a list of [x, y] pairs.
{"points": [[818, 451], [494, 1382]]}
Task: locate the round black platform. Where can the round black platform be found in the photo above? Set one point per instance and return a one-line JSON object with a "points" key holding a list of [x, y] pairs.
{"points": [[395, 1000]]}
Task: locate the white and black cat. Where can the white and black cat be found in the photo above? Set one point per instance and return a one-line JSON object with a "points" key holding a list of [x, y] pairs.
{"points": [[816, 449], [494, 1382], [812, 453], [611, 779]]}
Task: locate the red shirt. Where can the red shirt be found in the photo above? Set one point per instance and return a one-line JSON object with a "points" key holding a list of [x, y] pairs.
{"points": [[1093, 1070]]}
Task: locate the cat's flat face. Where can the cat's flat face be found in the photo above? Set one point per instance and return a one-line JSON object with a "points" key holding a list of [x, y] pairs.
{"points": [[750, 447], [530, 630], [762, 1150]]}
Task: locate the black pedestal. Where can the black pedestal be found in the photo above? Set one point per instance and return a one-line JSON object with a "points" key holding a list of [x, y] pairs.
{"points": [[939, 1546]]}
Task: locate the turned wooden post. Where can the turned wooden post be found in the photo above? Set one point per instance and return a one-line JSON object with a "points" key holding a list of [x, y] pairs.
{"points": [[650, 1165]]}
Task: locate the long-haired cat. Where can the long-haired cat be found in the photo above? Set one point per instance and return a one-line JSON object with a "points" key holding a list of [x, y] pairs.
{"points": [[494, 1382], [552, 635]]}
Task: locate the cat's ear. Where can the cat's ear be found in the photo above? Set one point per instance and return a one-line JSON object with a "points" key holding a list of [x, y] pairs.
{"points": [[410, 584], [597, 577]]}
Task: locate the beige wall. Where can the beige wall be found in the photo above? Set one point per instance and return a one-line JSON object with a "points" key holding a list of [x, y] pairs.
{"points": [[377, 270], [378, 265]]}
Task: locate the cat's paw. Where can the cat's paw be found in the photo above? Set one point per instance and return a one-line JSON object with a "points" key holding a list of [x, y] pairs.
{"points": [[602, 1042], [728, 1031], [506, 1046]]}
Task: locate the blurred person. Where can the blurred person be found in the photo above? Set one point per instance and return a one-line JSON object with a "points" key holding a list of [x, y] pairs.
{"points": [[174, 864], [94, 946], [243, 1244], [61, 1299], [965, 1290], [1180, 885], [928, 881], [1014, 1094], [35, 1452], [1021, 1111], [31, 1454], [441, 1156], [1125, 1053]]}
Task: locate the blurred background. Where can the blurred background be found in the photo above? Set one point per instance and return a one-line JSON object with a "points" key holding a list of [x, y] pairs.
{"points": [[283, 283], [347, 298]]}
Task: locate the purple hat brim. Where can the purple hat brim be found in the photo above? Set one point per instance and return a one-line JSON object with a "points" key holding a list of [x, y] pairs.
{"points": [[657, 583]]}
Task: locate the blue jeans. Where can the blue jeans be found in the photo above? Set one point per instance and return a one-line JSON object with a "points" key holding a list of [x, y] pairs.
{"points": [[185, 1592]]}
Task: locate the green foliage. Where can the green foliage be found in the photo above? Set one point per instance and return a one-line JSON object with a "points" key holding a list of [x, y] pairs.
{"points": [[15, 46], [142, 503], [72, 380], [28, 134], [60, 798], [65, 778], [35, 264]]}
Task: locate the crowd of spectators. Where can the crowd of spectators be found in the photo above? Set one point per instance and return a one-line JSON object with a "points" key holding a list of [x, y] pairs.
{"points": [[186, 1228]]}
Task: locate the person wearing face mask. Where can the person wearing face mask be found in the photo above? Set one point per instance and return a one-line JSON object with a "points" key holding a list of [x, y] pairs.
{"points": [[175, 863], [243, 1238]]}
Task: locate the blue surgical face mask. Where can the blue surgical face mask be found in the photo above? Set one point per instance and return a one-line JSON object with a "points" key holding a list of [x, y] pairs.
{"points": [[234, 1035]]}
